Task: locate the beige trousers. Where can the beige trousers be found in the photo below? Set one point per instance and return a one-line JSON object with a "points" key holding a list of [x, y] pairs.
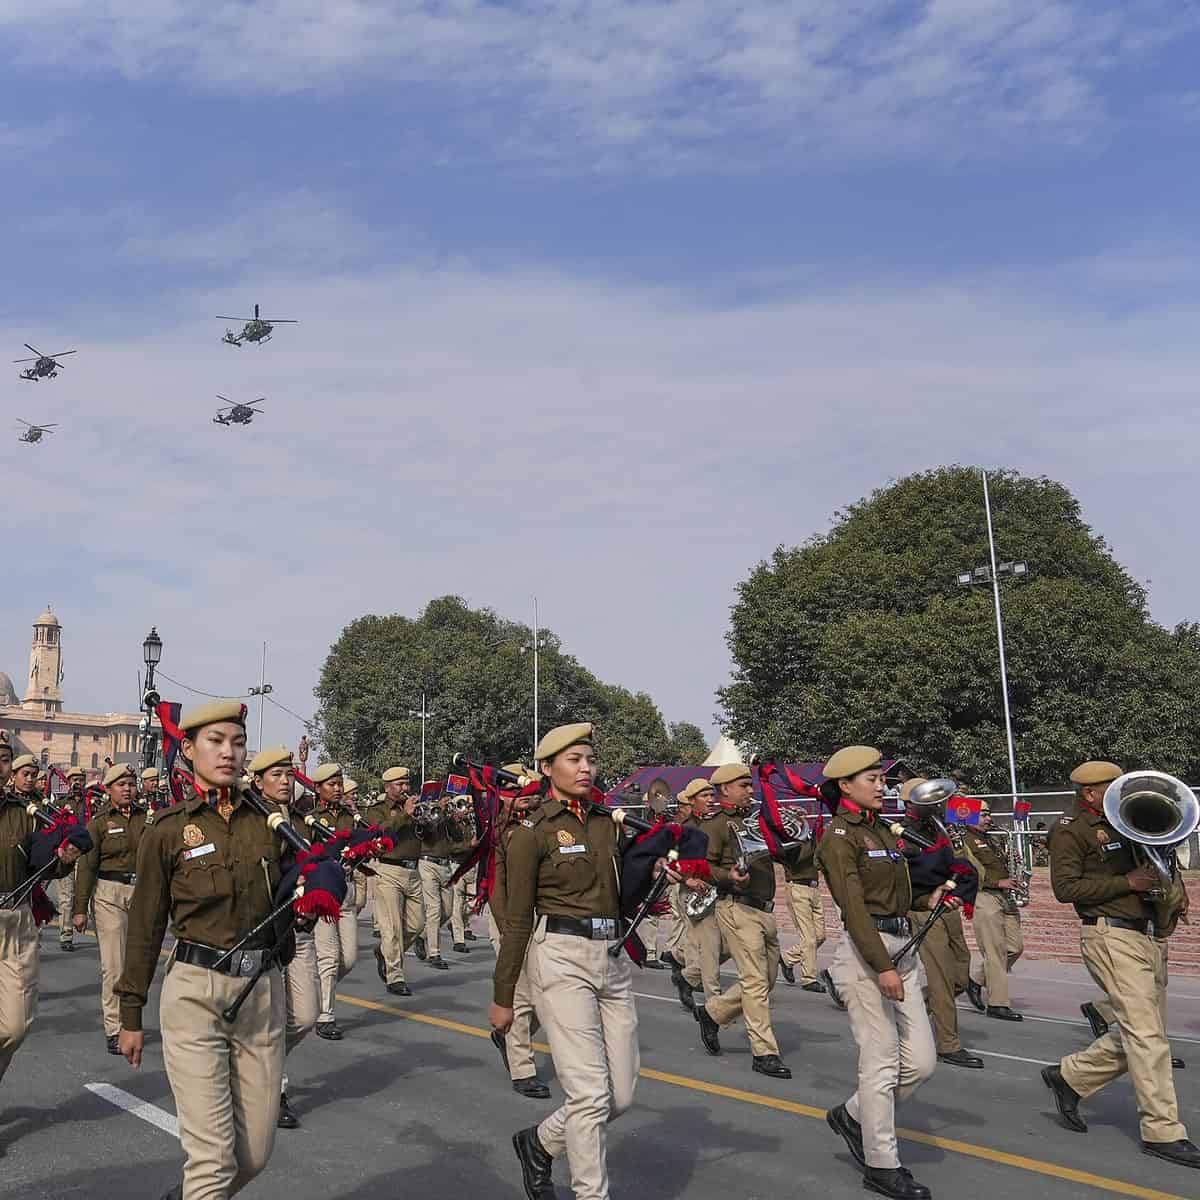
{"points": [[493, 931], [401, 914], [458, 911], [360, 891], [677, 939], [337, 952], [998, 936], [518, 1042], [947, 963], [111, 901], [1104, 1005], [303, 992], [66, 906], [18, 979], [648, 932], [1132, 971], [895, 1044], [804, 903], [585, 1000], [706, 951], [438, 900], [753, 941], [373, 899], [226, 1078]]}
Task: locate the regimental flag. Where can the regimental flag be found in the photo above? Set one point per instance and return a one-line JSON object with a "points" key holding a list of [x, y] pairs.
{"points": [[963, 810], [431, 790], [1021, 810], [456, 785], [168, 714]]}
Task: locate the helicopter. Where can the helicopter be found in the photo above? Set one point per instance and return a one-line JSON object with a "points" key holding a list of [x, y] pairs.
{"points": [[256, 329], [45, 366], [33, 433], [236, 414]]}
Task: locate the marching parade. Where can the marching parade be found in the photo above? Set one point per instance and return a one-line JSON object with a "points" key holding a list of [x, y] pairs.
{"points": [[235, 886]]}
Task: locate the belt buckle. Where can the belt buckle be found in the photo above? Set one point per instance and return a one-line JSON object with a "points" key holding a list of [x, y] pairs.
{"points": [[132, 878], [248, 962], [604, 928]]}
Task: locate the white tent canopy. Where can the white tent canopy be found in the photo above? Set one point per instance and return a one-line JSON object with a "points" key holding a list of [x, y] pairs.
{"points": [[724, 750]]}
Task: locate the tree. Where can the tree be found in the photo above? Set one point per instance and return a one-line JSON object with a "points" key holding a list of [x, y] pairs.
{"points": [[863, 635], [475, 672], [687, 744]]}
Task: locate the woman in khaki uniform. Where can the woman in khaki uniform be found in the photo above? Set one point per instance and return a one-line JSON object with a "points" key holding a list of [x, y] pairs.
{"points": [[862, 862], [336, 944], [210, 867], [108, 873], [564, 906]]}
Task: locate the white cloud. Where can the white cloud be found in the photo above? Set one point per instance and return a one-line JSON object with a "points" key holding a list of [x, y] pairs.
{"points": [[662, 86], [638, 448]]}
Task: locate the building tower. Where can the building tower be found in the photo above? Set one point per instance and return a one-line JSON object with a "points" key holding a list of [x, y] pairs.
{"points": [[45, 667]]}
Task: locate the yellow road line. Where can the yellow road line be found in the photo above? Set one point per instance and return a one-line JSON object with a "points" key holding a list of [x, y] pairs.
{"points": [[1035, 1165]]}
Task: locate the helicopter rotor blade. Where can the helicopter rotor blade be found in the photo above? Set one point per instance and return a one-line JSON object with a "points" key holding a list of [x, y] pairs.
{"points": [[233, 318], [33, 348], [21, 360], [220, 397], [63, 353], [280, 321]]}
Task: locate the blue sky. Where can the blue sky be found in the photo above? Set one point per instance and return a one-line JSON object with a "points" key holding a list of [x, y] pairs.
{"points": [[627, 292]]}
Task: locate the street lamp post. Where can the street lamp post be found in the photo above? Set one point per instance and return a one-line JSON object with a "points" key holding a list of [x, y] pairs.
{"points": [[263, 690], [425, 712], [152, 656], [992, 575], [537, 645]]}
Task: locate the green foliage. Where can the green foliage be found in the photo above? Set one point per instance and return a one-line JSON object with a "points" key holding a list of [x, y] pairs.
{"points": [[864, 635], [476, 672]]}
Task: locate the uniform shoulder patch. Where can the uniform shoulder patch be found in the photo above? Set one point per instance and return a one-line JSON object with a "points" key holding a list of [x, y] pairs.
{"points": [[149, 818], [839, 831], [527, 822]]}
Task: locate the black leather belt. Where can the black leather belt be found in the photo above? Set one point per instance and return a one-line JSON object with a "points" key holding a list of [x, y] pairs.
{"points": [[441, 862], [1141, 925], [240, 962], [601, 929], [895, 925], [751, 902], [410, 863], [126, 877]]}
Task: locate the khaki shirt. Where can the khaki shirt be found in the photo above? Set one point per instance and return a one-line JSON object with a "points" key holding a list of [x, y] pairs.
{"points": [[212, 880], [498, 900], [991, 864], [114, 848], [800, 862], [1088, 865], [444, 840], [723, 853], [555, 866], [868, 877], [16, 841], [337, 820], [399, 826]]}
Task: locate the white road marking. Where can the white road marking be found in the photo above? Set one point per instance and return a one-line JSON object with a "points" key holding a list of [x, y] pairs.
{"points": [[1171, 1037], [668, 999], [142, 1109], [1037, 1062]]}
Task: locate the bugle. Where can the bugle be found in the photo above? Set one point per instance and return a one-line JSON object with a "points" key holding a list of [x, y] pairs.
{"points": [[462, 763]]}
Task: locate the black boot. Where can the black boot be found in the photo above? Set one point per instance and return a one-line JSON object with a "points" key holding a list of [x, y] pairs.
{"points": [[895, 1182], [672, 961], [470, 935], [287, 1119], [1094, 1019], [962, 1058], [380, 965], [843, 1124], [501, 1045], [536, 1165], [655, 964], [787, 972], [834, 994], [329, 1031], [419, 947], [710, 1031], [111, 1041], [460, 948], [438, 963], [399, 988], [975, 995], [1183, 1153], [685, 992], [532, 1087], [1066, 1098], [813, 985], [772, 1065], [1177, 1063], [1003, 1013]]}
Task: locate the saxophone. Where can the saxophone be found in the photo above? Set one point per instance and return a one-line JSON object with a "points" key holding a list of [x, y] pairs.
{"points": [[1018, 872]]}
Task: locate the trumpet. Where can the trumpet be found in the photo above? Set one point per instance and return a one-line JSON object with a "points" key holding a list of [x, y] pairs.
{"points": [[1155, 812]]}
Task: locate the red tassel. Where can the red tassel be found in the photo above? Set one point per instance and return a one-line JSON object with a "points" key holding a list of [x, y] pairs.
{"points": [[658, 825], [698, 867], [43, 911], [318, 904], [969, 910]]}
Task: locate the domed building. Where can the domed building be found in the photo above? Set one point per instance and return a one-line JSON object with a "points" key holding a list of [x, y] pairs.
{"points": [[39, 724]]}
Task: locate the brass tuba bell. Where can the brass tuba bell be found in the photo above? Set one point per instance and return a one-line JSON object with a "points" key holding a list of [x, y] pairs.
{"points": [[1155, 812]]}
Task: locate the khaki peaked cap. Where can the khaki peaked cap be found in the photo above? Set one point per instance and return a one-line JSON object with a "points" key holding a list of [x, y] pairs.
{"points": [[214, 712], [730, 773], [1095, 771], [24, 760], [395, 774], [119, 771], [326, 772], [562, 736], [851, 760], [272, 756], [694, 788]]}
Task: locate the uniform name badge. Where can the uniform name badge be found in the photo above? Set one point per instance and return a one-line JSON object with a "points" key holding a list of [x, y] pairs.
{"points": [[877, 854], [199, 851], [116, 829], [571, 849]]}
